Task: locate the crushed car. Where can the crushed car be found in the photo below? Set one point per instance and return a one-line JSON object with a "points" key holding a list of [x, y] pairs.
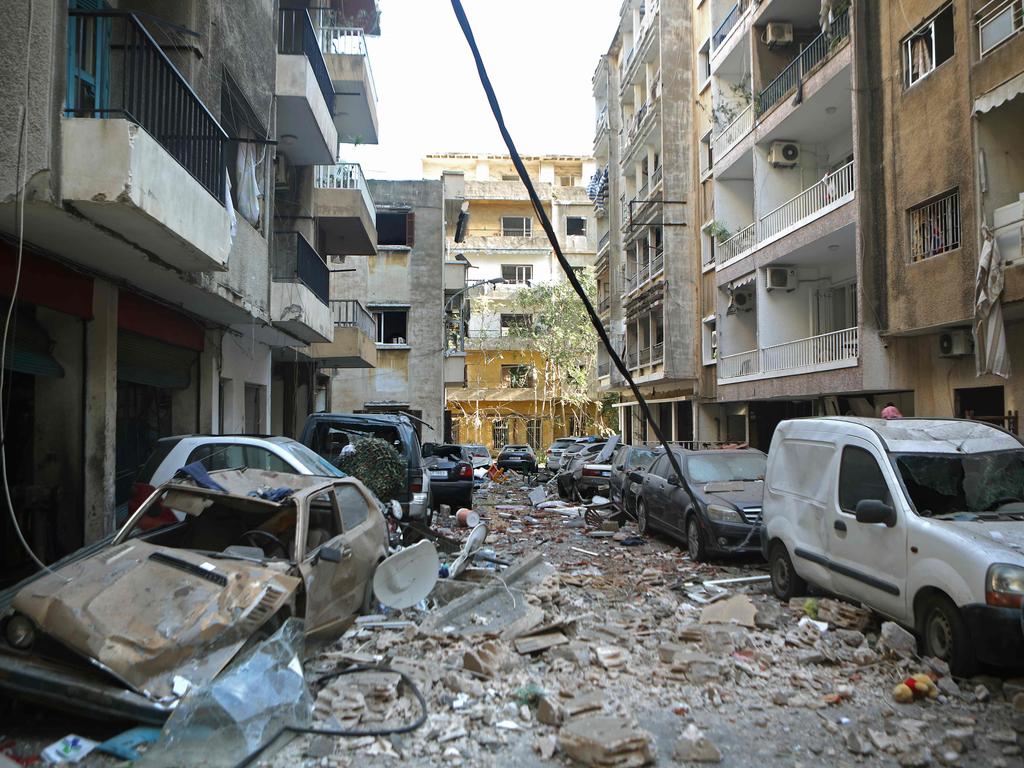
{"points": [[126, 626]]}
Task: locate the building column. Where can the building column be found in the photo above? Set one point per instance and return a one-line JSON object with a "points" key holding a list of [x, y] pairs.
{"points": [[100, 412]]}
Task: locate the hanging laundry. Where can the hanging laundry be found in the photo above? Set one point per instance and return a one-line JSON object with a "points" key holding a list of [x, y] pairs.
{"points": [[248, 188], [232, 219]]}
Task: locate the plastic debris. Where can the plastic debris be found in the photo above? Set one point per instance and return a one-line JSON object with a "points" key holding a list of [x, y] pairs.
{"points": [[231, 718], [70, 749], [123, 745]]}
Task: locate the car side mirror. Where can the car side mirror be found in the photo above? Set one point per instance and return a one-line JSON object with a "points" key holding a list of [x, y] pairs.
{"points": [[635, 477], [330, 554], [620, 468], [673, 480], [872, 511]]}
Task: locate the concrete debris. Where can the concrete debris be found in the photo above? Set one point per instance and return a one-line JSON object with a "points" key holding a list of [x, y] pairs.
{"points": [[599, 740], [895, 641], [738, 609], [843, 615], [694, 747], [485, 660]]}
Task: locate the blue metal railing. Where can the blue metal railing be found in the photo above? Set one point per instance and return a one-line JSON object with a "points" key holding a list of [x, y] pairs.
{"points": [[298, 38], [726, 26], [295, 260]]}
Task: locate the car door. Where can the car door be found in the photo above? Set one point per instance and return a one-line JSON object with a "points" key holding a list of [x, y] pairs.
{"points": [[655, 489], [331, 559], [676, 500], [868, 560]]}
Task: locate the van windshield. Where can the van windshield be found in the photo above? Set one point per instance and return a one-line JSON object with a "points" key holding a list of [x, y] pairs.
{"points": [[944, 484]]}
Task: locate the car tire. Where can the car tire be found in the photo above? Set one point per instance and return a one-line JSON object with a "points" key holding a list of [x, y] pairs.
{"points": [[467, 502], [786, 582], [643, 524], [944, 634], [696, 541]]}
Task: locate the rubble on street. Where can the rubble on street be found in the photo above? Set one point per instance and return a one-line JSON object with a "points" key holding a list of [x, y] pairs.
{"points": [[597, 647]]}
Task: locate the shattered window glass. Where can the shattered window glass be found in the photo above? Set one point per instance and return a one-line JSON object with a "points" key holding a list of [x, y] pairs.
{"points": [[726, 467], [941, 484]]}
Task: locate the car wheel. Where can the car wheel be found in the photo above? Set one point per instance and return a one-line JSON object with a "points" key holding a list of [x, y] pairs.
{"points": [[642, 523], [467, 502], [944, 635], [786, 583], [695, 543]]}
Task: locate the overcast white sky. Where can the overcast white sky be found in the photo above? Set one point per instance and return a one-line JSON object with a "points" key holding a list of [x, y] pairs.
{"points": [[540, 55]]}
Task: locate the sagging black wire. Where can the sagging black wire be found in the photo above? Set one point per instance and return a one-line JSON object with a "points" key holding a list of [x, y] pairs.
{"points": [[348, 732], [517, 161]]}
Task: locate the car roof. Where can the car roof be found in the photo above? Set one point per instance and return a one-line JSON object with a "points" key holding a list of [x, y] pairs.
{"points": [[913, 435], [253, 439], [369, 418]]}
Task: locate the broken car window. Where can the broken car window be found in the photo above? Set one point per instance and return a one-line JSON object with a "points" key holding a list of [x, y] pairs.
{"points": [[726, 467], [940, 484]]}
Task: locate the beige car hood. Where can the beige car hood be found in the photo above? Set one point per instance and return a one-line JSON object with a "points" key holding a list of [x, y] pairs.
{"points": [[150, 614]]}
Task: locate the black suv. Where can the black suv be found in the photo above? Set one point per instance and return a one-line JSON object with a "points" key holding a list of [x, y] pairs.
{"points": [[329, 433]]}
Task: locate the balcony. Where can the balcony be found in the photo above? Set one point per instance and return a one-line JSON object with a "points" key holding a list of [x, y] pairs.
{"points": [[299, 289], [733, 132], [722, 33], [604, 305], [354, 338], [603, 370], [834, 190], [997, 22], [631, 360], [345, 214], [658, 353], [602, 244], [656, 177], [305, 94], [816, 52], [348, 61], [826, 351], [141, 154]]}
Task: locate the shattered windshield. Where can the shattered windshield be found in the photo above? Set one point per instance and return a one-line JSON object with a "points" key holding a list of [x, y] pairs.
{"points": [[942, 484], [726, 467]]}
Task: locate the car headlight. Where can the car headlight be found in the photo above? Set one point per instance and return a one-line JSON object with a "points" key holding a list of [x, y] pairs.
{"points": [[20, 632], [724, 514], [1004, 585]]}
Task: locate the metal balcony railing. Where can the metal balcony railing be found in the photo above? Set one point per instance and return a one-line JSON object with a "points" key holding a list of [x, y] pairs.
{"points": [[657, 262], [631, 282], [645, 356], [602, 122], [820, 350], [742, 241], [740, 364], [656, 176], [658, 353], [815, 52], [726, 26], [338, 39], [935, 227], [296, 37], [116, 69], [631, 360], [604, 305], [733, 132], [349, 313], [295, 260], [603, 369], [835, 188], [345, 176], [997, 21], [603, 241]]}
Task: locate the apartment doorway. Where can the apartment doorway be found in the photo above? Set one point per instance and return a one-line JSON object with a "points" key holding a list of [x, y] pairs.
{"points": [[765, 417], [986, 404]]}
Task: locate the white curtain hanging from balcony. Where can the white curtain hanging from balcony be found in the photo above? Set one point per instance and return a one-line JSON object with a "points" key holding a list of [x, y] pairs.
{"points": [[989, 331], [232, 219], [248, 188]]}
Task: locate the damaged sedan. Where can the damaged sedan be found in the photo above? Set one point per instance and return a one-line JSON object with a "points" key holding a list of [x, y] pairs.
{"points": [[127, 626]]}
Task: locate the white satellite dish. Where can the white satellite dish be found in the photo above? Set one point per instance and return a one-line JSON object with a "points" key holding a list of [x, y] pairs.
{"points": [[408, 576], [470, 548]]}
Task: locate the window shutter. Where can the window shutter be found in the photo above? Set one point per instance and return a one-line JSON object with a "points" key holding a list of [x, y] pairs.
{"points": [[410, 227]]}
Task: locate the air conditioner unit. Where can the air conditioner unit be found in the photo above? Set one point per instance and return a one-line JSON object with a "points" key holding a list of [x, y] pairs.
{"points": [[784, 154], [714, 341], [742, 301], [778, 33], [956, 343], [781, 279]]}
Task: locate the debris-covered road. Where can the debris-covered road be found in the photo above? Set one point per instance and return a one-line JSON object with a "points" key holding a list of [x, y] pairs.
{"points": [[609, 649]]}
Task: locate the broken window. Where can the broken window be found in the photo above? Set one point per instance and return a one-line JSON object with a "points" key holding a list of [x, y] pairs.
{"points": [[392, 326], [928, 47], [860, 479], [519, 274], [575, 225], [395, 228], [214, 456], [941, 484], [517, 376], [516, 226], [515, 325]]}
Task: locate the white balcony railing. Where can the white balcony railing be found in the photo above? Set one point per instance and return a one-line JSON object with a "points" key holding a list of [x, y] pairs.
{"points": [[822, 350], [343, 41], [656, 177], [997, 21], [742, 241], [834, 189], [740, 364], [344, 176], [733, 132]]}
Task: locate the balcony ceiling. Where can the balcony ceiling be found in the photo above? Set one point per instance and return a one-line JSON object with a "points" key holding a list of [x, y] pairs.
{"points": [[821, 253], [799, 13], [811, 122], [740, 170]]}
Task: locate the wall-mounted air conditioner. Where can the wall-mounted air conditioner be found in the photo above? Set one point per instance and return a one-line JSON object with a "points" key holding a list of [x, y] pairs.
{"points": [[778, 33], [784, 154], [956, 343], [781, 279]]}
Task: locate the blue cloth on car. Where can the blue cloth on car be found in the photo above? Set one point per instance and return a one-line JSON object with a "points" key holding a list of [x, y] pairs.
{"points": [[198, 474], [272, 494]]}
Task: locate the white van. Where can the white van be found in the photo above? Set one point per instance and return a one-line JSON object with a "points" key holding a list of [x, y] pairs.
{"points": [[921, 520]]}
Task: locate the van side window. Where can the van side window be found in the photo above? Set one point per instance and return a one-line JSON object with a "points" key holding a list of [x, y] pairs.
{"points": [[860, 478]]}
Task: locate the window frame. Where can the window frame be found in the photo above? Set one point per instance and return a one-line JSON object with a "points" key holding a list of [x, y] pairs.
{"points": [[517, 372], [849, 449], [378, 319], [523, 274], [526, 228], [956, 222], [926, 27], [582, 220]]}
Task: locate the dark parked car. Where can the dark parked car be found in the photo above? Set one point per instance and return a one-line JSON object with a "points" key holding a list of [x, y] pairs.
{"points": [[521, 458], [728, 486], [329, 433], [451, 474], [627, 459]]}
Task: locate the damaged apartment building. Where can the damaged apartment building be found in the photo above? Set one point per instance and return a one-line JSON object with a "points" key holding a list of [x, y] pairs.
{"points": [[162, 166], [851, 163], [496, 387]]}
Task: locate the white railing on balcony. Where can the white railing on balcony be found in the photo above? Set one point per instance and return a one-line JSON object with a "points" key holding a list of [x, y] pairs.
{"points": [[344, 176], [733, 132], [658, 353], [997, 21], [656, 177], [742, 241], [645, 356], [740, 364], [657, 262], [642, 275], [602, 122], [343, 41], [822, 350], [834, 189]]}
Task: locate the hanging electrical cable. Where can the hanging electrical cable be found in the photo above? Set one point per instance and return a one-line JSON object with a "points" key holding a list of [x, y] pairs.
{"points": [[570, 275]]}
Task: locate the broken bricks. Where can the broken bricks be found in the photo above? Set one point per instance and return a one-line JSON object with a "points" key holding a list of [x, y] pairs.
{"points": [[600, 740]]}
